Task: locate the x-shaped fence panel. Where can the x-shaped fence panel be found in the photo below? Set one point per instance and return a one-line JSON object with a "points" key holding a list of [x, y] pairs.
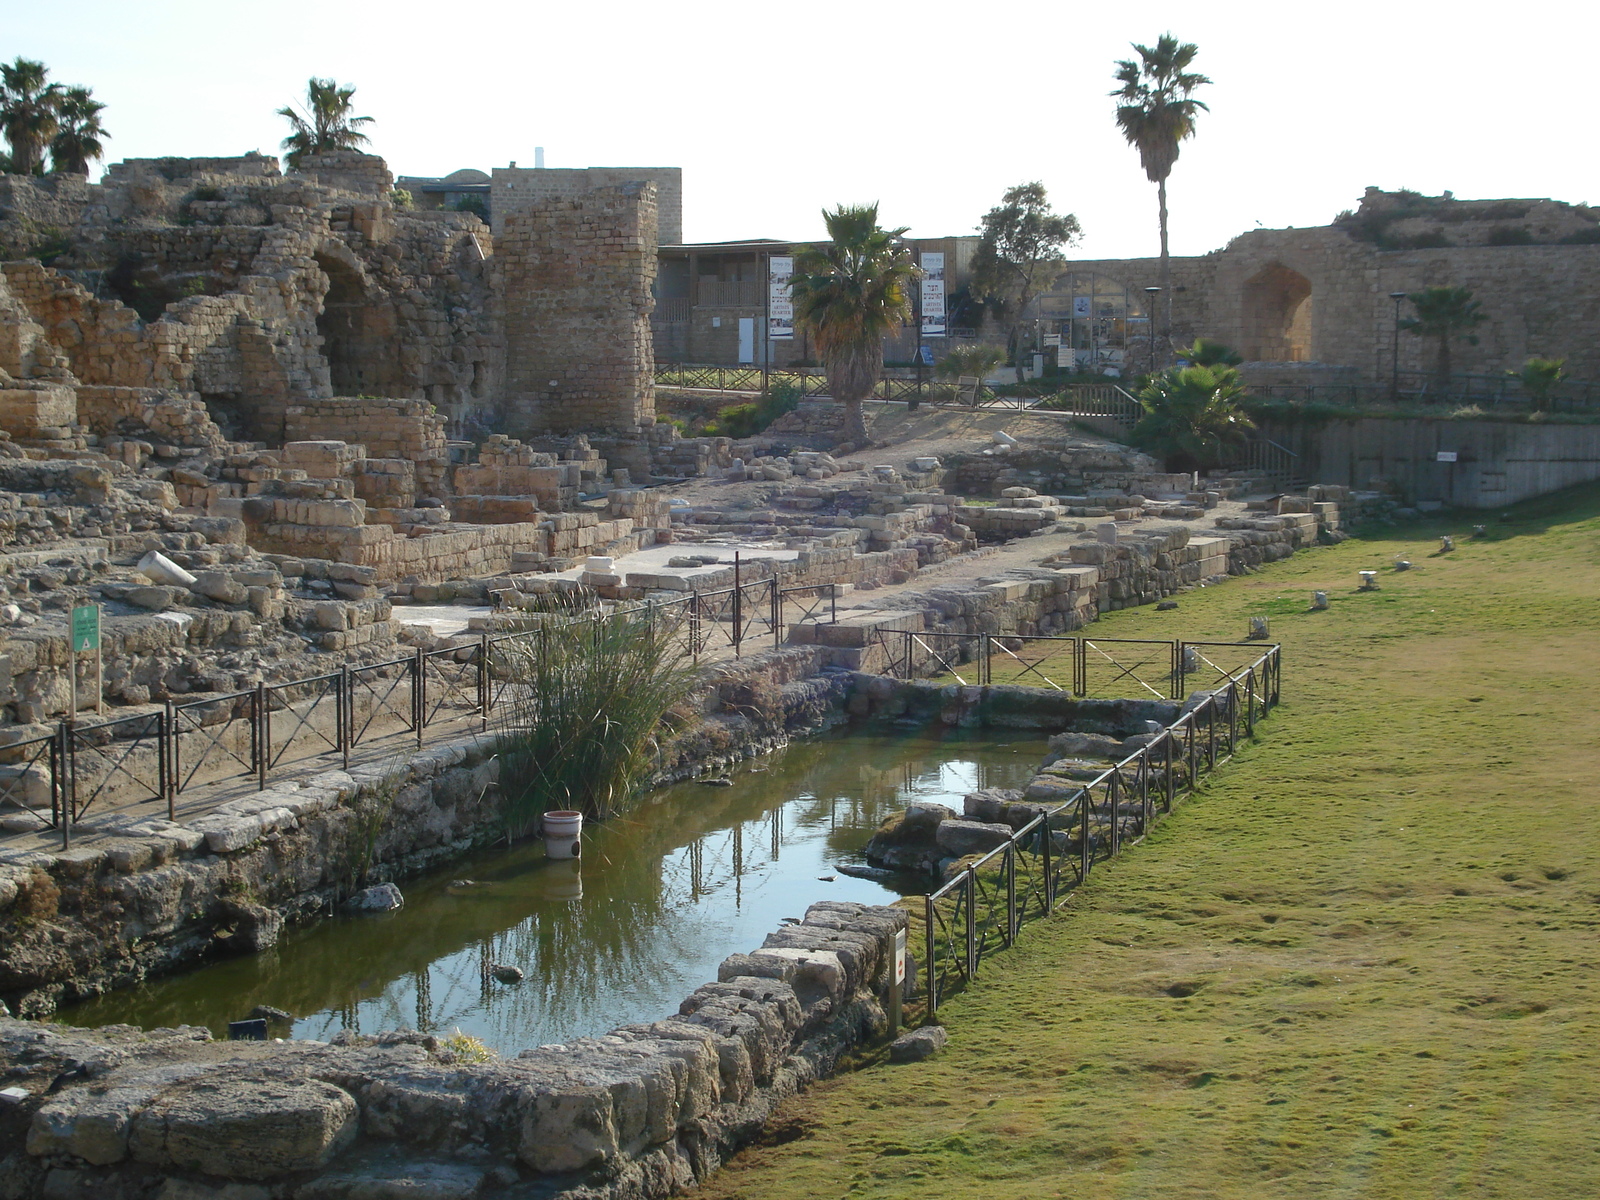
{"points": [[32, 778], [1042, 662], [382, 699], [1111, 666], [126, 757], [308, 712], [211, 730]]}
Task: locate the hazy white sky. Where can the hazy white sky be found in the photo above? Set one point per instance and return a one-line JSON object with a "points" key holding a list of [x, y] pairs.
{"points": [[933, 109]]}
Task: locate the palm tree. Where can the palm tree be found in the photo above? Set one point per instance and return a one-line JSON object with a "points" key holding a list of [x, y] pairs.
{"points": [[1539, 377], [1208, 352], [327, 124], [1192, 416], [848, 295], [1445, 313], [28, 105], [1156, 113], [77, 140]]}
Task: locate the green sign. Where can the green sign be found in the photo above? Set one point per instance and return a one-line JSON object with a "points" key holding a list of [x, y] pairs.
{"points": [[86, 628]]}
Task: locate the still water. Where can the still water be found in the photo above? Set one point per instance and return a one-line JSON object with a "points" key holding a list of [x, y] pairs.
{"points": [[660, 897]]}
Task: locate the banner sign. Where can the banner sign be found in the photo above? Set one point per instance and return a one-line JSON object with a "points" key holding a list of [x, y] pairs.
{"points": [[780, 301], [933, 295]]}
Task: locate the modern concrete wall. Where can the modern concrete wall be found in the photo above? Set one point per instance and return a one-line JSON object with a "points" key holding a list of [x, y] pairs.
{"points": [[1497, 462]]}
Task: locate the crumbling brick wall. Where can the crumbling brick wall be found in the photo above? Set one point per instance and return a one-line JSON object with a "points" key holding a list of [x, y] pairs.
{"points": [[574, 281]]}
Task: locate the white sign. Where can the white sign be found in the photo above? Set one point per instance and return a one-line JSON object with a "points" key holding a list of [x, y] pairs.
{"points": [[900, 956], [933, 295], [1446, 456], [780, 299]]}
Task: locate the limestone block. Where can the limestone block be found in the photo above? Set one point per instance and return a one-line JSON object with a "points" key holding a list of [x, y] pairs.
{"points": [[235, 1126]]}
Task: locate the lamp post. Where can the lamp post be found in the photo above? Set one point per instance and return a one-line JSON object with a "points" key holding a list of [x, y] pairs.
{"points": [[1394, 369], [1150, 318]]}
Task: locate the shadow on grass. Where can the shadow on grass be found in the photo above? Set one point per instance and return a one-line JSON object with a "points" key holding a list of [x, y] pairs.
{"points": [[1569, 506]]}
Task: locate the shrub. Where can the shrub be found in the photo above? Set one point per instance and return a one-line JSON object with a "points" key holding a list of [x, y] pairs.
{"points": [[1510, 235], [976, 360], [587, 696], [402, 199]]}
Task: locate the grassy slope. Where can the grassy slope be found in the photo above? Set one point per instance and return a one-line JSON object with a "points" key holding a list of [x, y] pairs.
{"points": [[1385, 911]]}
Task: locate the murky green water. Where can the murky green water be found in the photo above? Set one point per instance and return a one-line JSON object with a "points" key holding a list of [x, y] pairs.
{"points": [[659, 898]]}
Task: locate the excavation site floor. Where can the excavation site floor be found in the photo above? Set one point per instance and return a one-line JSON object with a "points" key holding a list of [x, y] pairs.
{"points": [[658, 899], [1360, 962]]}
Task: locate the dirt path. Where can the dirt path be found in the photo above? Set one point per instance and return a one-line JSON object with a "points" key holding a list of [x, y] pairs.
{"points": [[1361, 962]]}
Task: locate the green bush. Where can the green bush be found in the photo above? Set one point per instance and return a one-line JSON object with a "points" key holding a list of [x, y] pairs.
{"points": [[586, 697]]}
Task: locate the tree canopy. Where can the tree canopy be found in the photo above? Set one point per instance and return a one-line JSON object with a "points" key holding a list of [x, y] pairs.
{"points": [[1019, 249], [327, 123], [38, 116], [1445, 314], [850, 293]]}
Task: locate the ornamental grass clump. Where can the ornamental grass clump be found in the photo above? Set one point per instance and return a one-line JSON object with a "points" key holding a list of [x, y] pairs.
{"points": [[586, 697]]}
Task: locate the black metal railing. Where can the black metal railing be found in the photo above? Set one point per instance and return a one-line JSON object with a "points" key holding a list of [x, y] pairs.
{"points": [[216, 740], [1076, 664], [982, 907]]}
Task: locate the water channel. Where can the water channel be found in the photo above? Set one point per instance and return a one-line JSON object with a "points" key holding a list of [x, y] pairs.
{"points": [[660, 897]]}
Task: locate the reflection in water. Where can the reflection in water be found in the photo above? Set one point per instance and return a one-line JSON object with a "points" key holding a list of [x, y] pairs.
{"points": [[659, 898]]}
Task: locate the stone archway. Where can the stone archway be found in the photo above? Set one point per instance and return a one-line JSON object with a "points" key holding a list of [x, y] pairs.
{"points": [[358, 332], [1276, 314]]}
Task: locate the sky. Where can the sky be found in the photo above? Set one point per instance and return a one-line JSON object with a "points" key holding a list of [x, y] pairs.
{"points": [[934, 109]]}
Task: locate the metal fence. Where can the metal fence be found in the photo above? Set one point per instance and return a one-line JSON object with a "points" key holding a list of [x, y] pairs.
{"points": [[1077, 665], [984, 905], [157, 756], [906, 385]]}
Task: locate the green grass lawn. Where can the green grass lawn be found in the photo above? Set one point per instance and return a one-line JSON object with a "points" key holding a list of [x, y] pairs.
{"points": [[1359, 962]]}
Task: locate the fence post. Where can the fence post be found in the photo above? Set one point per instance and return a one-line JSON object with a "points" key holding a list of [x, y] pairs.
{"points": [[929, 945], [1049, 877], [169, 746], [1233, 716], [341, 712], [483, 681], [1080, 666], [1250, 703], [1167, 741], [1211, 733], [1085, 855], [970, 886], [263, 735], [419, 692], [1144, 790], [738, 607], [1011, 892], [1114, 803], [777, 611], [69, 785]]}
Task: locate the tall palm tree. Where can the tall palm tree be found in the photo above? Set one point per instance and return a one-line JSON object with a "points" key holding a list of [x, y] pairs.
{"points": [[327, 124], [1444, 313], [1157, 112], [848, 295], [77, 140], [28, 105]]}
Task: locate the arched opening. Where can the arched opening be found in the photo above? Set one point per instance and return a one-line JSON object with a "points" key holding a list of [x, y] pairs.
{"points": [[352, 337], [1277, 316]]}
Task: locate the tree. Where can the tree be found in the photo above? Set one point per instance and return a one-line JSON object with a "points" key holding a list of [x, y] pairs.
{"points": [[1447, 314], [327, 124], [1192, 416], [1207, 352], [1157, 112], [1018, 250], [28, 108], [1539, 377], [976, 361], [848, 295], [77, 140]]}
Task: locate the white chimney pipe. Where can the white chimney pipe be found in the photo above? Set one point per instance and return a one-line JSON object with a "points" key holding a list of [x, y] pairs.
{"points": [[538, 158]]}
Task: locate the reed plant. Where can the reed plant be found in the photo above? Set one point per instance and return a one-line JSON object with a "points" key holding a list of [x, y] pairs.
{"points": [[587, 696]]}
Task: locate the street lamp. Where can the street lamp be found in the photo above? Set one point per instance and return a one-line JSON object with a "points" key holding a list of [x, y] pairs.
{"points": [[1150, 318], [1394, 370]]}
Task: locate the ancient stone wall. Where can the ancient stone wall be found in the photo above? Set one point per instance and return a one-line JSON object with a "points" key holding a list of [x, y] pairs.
{"points": [[573, 277], [388, 429], [1322, 297]]}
